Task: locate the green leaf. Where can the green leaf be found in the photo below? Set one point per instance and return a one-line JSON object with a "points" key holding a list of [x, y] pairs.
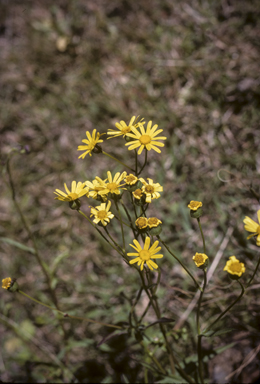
{"points": [[219, 332], [58, 259], [17, 245]]}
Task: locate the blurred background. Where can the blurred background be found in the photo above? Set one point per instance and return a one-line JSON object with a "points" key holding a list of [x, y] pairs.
{"points": [[71, 66]]}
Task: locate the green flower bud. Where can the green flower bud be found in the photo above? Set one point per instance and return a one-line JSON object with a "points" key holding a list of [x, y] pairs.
{"points": [[75, 204]]}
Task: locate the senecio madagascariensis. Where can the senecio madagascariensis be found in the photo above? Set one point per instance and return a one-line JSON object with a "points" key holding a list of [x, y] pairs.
{"points": [[201, 260], [91, 142], [145, 138], [77, 190], [194, 205], [145, 254], [234, 267], [6, 283], [252, 226]]}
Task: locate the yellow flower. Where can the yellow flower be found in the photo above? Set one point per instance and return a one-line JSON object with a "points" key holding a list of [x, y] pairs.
{"points": [[6, 283], [113, 185], [131, 179], [138, 194], [234, 267], [144, 255], [194, 205], [141, 222], [153, 222], [77, 190], [151, 190], [146, 139], [123, 128], [252, 226], [102, 213], [94, 189], [200, 259], [91, 143]]}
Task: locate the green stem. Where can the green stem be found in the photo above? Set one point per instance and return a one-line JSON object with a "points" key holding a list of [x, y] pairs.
{"points": [[120, 162], [136, 163], [256, 268], [199, 350], [203, 239], [121, 224], [145, 162], [67, 315], [228, 308], [31, 236], [183, 266], [150, 354], [101, 234]]}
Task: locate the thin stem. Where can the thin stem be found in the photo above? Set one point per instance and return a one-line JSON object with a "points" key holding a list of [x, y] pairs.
{"points": [[67, 315], [150, 354], [228, 308], [136, 162], [120, 162], [121, 224], [145, 162], [31, 236], [101, 234], [199, 350], [256, 268], [203, 239], [183, 266]]}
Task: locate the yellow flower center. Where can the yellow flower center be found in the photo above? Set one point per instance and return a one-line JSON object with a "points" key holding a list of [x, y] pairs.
{"points": [[144, 255], [149, 189], [129, 179], [153, 221], [235, 268], [102, 214], [126, 129], [145, 139], [141, 222], [73, 196], [112, 186], [138, 192], [199, 259]]}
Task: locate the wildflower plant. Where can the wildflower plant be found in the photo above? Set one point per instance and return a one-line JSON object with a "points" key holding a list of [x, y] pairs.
{"points": [[121, 201]]}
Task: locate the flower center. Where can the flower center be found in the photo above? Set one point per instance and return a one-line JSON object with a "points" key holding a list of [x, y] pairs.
{"points": [[141, 222], [144, 255], [112, 186], [145, 139], [149, 189], [138, 192], [102, 214], [126, 129], [129, 179], [235, 268], [153, 221], [73, 196], [199, 259]]}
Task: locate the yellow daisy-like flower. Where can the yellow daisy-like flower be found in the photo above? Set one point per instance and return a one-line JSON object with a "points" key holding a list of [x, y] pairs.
{"points": [[131, 179], [6, 283], [114, 184], [94, 189], [200, 259], [123, 128], [153, 222], [102, 213], [146, 138], [234, 267], [91, 143], [138, 194], [194, 205], [252, 226], [77, 190], [141, 222], [145, 255], [151, 190]]}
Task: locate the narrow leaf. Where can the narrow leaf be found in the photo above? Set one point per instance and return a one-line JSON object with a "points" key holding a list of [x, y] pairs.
{"points": [[17, 245]]}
